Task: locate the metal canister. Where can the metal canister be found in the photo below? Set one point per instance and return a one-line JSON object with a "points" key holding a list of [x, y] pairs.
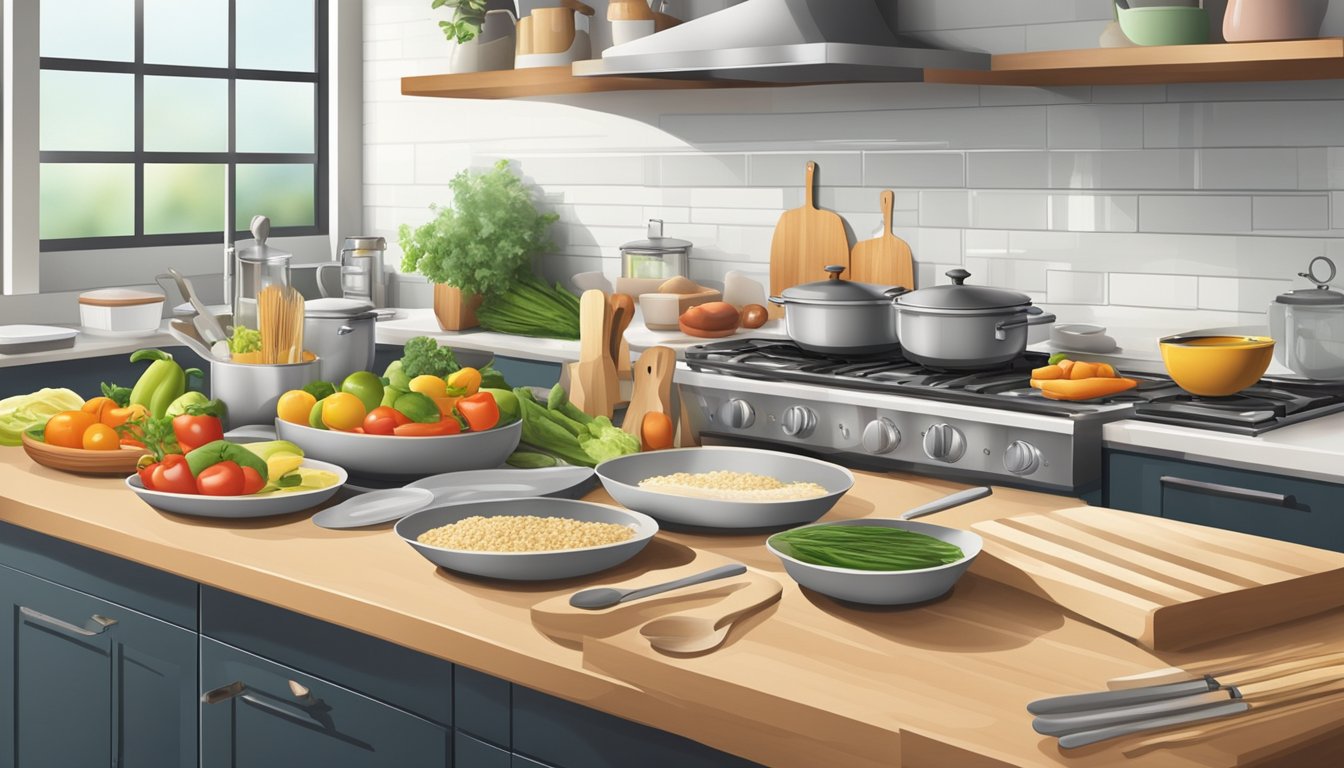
{"points": [[361, 268], [658, 257]]}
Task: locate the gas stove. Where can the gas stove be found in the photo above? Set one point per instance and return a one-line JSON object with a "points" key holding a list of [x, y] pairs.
{"points": [[986, 426]]}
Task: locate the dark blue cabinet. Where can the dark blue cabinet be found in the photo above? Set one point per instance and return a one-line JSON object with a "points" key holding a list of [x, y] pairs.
{"points": [[94, 683], [256, 713], [1262, 504], [471, 752]]}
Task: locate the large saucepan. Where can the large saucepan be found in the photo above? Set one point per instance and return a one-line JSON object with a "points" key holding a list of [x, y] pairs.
{"points": [[951, 327]]}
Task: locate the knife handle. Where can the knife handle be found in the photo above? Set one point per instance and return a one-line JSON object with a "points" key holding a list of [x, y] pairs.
{"points": [[1060, 705], [1199, 714], [1088, 720]]}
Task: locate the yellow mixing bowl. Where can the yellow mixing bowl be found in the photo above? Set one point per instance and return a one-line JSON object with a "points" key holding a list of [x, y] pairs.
{"points": [[1216, 366]]}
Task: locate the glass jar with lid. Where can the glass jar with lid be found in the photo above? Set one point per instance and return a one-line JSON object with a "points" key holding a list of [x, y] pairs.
{"points": [[657, 258], [259, 265]]}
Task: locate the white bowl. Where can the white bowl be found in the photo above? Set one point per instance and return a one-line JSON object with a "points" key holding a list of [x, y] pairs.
{"points": [[661, 310], [621, 478], [393, 456], [116, 311], [241, 506], [886, 587], [529, 566]]}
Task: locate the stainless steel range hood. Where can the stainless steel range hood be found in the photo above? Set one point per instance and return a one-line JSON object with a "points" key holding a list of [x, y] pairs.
{"points": [[781, 41]]}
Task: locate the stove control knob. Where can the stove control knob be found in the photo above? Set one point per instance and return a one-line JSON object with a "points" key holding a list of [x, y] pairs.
{"points": [[944, 442], [1022, 458], [881, 436], [799, 421], [737, 414]]}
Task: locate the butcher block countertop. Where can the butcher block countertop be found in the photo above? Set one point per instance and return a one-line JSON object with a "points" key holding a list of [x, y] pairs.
{"points": [[805, 682]]}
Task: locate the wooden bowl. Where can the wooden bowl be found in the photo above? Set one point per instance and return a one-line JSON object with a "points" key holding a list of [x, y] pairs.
{"points": [[79, 461]]}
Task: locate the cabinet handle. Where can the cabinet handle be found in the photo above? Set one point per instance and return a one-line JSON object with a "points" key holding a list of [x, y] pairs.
{"points": [[286, 712], [102, 622], [223, 693], [1230, 492]]}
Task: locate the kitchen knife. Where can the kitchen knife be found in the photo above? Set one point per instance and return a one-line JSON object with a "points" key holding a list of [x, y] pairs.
{"points": [[1285, 669], [1311, 684], [1092, 719]]}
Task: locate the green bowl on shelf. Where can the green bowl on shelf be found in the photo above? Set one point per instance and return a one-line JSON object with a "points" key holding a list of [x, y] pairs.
{"points": [[1164, 25]]}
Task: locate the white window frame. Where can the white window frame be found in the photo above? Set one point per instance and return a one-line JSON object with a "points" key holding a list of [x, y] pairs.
{"points": [[26, 270]]}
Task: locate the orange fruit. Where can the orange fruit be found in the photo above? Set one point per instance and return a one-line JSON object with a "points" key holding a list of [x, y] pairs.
{"points": [[100, 437], [66, 428]]}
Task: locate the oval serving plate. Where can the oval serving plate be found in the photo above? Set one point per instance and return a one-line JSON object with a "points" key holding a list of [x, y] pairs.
{"points": [[240, 507]]}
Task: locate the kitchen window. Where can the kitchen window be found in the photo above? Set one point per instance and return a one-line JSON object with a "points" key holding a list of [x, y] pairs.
{"points": [[151, 109]]}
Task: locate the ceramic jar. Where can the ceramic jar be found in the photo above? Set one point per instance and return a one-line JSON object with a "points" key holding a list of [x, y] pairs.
{"points": [[1248, 20]]}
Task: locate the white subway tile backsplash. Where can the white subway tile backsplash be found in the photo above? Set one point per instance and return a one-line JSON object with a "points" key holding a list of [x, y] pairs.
{"points": [[986, 243], [1169, 291], [1337, 210], [1095, 126], [1068, 287], [1229, 294], [1010, 210], [914, 169], [702, 170], [1241, 169], [1292, 212], [749, 216], [1141, 169], [1008, 170], [1244, 124], [783, 170], [1094, 213], [944, 209], [1313, 168], [770, 199], [1215, 214], [392, 164]]}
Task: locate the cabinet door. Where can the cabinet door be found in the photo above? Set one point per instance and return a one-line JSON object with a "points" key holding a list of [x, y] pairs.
{"points": [[123, 682], [255, 712]]}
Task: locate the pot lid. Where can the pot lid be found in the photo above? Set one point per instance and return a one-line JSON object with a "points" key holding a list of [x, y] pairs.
{"points": [[960, 296], [119, 297], [341, 309], [656, 242], [1321, 295], [837, 291]]}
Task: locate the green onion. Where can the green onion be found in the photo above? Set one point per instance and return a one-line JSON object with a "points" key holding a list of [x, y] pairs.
{"points": [[866, 548]]}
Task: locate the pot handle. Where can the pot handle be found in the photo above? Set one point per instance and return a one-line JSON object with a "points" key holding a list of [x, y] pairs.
{"points": [[1036, 317], [776, 300]]}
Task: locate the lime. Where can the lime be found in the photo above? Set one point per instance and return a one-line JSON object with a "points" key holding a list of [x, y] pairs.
{"points": [[315, 416], [1057, 358], [366, 386]]}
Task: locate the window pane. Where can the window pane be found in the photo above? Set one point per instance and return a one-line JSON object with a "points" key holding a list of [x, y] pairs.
{"points": [[87, 29], [283, 192], [86, 111], [186, 114], [187, 32], [86, 200], [275, 116], [277, 34], [183, 198]]}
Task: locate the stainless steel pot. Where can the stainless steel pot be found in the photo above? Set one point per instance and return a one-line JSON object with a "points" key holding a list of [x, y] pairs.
{"points": [[252, 391], [341, 333], [965, 327], [840, 317]]}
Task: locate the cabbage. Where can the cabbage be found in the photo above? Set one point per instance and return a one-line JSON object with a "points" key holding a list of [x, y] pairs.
{"points": [[23, 412]]}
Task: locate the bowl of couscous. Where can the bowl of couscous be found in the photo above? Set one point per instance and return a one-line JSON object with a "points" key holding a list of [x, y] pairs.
{"points": [[721, 487], [533, 539]]}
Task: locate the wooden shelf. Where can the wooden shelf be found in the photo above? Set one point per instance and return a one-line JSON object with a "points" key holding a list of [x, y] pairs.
{"points": [[544, 81], [1219, 62], [1320, 59]]}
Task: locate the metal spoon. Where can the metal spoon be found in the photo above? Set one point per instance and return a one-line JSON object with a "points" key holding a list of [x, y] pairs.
{"points": [[605, 597], [690, 634], [948, 502]]}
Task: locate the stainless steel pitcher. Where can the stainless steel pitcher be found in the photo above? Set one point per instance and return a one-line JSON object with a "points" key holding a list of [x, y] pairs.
{"points": [[361, 270]]}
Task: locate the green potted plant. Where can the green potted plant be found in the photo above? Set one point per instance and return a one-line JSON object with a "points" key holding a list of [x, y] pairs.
{"points": [[468, 16], [478, 253]]}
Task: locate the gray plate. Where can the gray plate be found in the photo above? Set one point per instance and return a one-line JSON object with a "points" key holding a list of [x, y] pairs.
{"points": [[887, 587], [238, 507], [622, 476], [409, 457], [374, 508], [529, 566]]}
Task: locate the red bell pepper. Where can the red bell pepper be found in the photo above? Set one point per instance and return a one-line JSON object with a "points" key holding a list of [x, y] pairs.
{"points": [[480, 410]]}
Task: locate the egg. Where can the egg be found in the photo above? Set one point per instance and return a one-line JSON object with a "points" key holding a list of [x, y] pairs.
{"points": [[754, 316]]}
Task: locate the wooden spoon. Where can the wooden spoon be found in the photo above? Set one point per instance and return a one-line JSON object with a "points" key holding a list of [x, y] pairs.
{"points": [[704, 629]]}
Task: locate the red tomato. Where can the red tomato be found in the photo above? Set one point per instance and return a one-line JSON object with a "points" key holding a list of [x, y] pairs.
{"points": [[445, 426], [480, 410], [252, 481], [194, 431], [383, 420], [222, 479], [173, 475], [147, 476]]}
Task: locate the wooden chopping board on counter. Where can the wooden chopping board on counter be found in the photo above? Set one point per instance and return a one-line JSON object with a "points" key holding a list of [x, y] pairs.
{"points": [[1167, 584], [886, 259], [806, 241]]}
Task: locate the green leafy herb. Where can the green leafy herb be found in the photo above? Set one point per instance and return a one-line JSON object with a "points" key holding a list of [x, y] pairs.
{"points": [[484, 242], [120, 395], [866, 547], [244, 340], [155, 433], [423, 355], [320, 389], [468, 16], [531, 308]]}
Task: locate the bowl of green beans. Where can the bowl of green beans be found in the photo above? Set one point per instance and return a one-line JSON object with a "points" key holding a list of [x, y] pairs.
{"points": [[874, 561]]}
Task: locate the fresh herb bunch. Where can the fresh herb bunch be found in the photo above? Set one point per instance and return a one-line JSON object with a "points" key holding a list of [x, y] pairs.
{"points": [[484, 242], [532, 308], [468, 16]]}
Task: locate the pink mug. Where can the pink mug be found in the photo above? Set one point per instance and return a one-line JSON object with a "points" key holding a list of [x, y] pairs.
{"points": [[1248, 20]]}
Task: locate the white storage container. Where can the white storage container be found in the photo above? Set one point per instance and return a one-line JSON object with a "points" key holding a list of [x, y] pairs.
{"points": [[120, 311]]}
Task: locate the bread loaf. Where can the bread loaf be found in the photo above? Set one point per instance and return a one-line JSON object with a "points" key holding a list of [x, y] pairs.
{"points": [[712, 320]]}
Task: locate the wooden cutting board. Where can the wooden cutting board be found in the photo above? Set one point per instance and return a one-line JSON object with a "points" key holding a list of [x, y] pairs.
{"points": [[1169, 585], [886, 259], [807, 240]]}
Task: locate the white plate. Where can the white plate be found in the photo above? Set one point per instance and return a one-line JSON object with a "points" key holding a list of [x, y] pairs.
{"points": [[374, 508], [491, 484], [529, 566], [238, 507], [34, 334]]}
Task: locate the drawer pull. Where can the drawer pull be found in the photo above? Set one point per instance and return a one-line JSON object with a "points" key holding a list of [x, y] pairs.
{"points": [[101, 623], [223, 693], [1230, 492]]}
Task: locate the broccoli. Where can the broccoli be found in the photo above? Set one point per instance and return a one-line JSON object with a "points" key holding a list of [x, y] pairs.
{"points": [[423, 355], [606, 441], [244, 340]]}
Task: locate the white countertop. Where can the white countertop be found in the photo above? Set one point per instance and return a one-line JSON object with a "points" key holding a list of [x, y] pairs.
{"points": [[420, 322], [1311, 450], [88, 345]]}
